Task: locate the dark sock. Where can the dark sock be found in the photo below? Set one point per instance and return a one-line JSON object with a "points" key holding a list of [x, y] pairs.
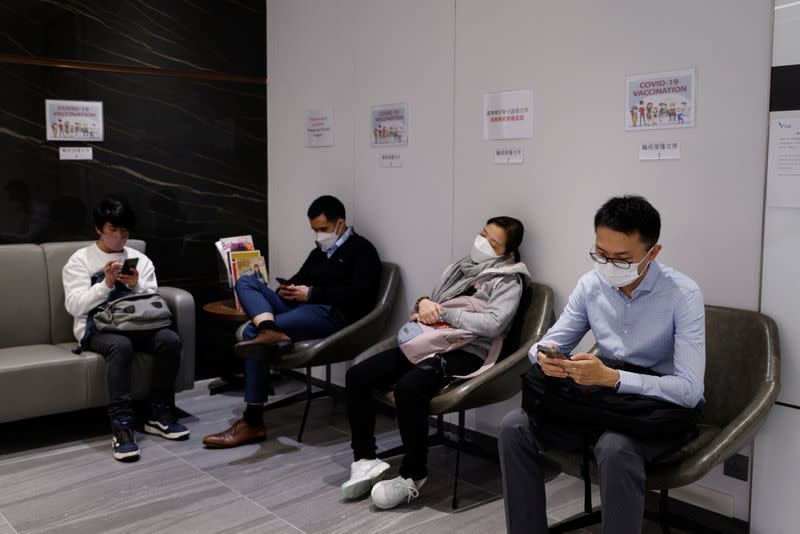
{"points": [[267, 325], [254, 415]]}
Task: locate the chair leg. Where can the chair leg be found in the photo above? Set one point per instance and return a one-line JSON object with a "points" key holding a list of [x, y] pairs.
{"points": [[460, 444], [663, 511], [587, 482], [308, 405]]}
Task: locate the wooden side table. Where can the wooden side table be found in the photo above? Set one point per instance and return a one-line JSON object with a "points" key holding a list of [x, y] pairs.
{"points": [[224, 311]]}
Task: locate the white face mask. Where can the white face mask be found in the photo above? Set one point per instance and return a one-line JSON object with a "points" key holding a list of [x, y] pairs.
{"points": [[617, 277], [326, 240], [482, 250]]}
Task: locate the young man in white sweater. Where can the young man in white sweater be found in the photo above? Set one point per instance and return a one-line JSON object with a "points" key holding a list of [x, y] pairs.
{"points": [[92, 277]]}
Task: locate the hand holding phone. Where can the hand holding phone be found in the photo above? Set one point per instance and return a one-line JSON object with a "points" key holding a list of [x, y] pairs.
{"points": [[128, 266], [551, 352], [282, 281]]}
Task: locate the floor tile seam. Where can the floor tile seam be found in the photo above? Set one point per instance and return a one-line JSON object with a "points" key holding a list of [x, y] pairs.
{"points": [[4, 520], [237, 492], [445, 514]]}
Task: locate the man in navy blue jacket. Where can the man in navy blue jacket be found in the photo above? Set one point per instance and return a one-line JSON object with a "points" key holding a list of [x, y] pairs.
{"points": [[337, 285]]}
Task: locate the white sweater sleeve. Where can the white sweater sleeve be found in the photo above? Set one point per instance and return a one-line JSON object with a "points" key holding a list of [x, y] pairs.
{"points": [[80, 296]]}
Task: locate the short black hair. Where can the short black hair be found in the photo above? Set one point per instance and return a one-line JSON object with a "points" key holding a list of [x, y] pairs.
{"points": [[514, 230], [630, 214], [114, 210], [327, 205]]}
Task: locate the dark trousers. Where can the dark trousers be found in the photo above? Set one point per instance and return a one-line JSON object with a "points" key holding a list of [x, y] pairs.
{"points": [[298, 321], [414, 388], [165, 347], [620, 465]]}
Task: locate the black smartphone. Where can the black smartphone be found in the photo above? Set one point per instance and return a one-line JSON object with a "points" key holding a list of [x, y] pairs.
{"points": [[551, 352], [282, 281], [128, 266]]}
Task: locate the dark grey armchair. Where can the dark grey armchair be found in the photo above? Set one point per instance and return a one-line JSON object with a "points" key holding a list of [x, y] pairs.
{"points": [[339, 347], [500, 382], [742, 381]]}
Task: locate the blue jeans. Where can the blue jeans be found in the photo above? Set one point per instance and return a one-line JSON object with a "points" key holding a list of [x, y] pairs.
{"points": [[299, 321]]}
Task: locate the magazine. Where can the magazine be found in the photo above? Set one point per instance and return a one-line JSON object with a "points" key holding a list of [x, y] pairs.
{"points": [[236, 259], [228, 244], [252, 267]]}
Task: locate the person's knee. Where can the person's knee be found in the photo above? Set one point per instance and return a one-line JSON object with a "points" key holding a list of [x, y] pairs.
{"points": [[617, 449], [170, 342], [511, 428], [245, 282], [356, 378], [120, 349], [409, 391]]}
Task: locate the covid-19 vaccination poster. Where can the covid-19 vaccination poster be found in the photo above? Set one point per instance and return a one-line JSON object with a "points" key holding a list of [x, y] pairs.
{"points": [[660, 100]]}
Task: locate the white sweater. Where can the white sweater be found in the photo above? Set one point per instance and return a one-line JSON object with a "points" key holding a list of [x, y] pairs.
{"points": [[81, 297]]}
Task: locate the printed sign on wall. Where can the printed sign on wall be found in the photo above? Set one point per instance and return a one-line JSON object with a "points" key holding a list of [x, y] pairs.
{"points": [[73, 120], [389, 125], [661, 100], [508, 115], [319, 128]]}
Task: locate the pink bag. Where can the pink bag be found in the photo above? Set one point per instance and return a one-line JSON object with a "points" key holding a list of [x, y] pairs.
{"points": [[420, 341]]}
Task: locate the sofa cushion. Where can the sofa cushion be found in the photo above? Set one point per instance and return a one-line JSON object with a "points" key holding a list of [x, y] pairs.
{"points": [[25, 310], [56, 256], [35, 379]]}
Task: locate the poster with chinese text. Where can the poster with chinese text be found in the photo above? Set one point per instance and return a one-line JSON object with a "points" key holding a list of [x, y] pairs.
{"points": [[319, 128], [508, 115]]}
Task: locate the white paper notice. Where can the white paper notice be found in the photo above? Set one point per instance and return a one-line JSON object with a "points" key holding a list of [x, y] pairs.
{"points": [[783, 168], [508, 115], [390, 160], [75, 152], [319, 128], [505, 156], [656, 151]]}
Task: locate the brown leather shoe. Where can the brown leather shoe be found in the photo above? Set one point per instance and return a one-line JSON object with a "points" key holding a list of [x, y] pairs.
{"points": [[238, 434], [265, 345]]}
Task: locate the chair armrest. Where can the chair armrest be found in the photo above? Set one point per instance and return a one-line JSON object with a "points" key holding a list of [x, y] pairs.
{"points": [[377, 348], [730, 439], [500, 382], [181, 304]]}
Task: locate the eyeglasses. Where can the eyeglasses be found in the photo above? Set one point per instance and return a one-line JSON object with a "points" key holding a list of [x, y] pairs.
{"points": [[616, 262]]}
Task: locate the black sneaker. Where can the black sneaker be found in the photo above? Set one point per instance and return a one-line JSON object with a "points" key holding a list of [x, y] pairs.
{"points": [[163, 423], [123, 443]]}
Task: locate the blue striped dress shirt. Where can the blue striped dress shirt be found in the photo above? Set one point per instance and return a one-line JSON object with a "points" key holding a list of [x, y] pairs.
{"points": [[661, 327]]}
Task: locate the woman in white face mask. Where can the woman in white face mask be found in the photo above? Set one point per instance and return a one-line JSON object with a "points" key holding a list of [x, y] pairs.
{"points": [[492, 277]]}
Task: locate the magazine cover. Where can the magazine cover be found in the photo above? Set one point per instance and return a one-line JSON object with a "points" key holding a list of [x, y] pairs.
{"points": [[228, 244], [252, 267]]}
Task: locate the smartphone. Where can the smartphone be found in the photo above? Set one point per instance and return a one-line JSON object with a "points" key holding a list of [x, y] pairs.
{"points": [[128, 266], [282, 281], [551, 352]]}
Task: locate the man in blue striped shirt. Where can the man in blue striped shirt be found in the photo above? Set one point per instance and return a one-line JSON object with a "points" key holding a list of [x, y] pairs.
{"points": [[641, 313]]}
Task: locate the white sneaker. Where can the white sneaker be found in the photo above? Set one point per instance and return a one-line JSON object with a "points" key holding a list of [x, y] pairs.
{"points": [[390, 493], [363, 475]]}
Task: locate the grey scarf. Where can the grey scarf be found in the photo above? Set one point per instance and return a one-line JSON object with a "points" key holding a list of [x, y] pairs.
{"points": [[462, 275]]}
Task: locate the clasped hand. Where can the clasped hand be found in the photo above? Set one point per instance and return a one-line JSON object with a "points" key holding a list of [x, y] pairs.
{"points": [[585, 369], [428, 313], [293, 293]]}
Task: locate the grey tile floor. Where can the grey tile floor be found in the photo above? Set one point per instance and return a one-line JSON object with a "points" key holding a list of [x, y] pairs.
{"points": [[57, 475]]}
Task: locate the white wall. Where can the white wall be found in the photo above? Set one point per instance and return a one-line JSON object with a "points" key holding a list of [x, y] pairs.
{"points": [[441, 57], [775, 466]]}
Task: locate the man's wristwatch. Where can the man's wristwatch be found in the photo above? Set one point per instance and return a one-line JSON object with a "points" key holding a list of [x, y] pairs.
{"points": [[616, 385]]}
